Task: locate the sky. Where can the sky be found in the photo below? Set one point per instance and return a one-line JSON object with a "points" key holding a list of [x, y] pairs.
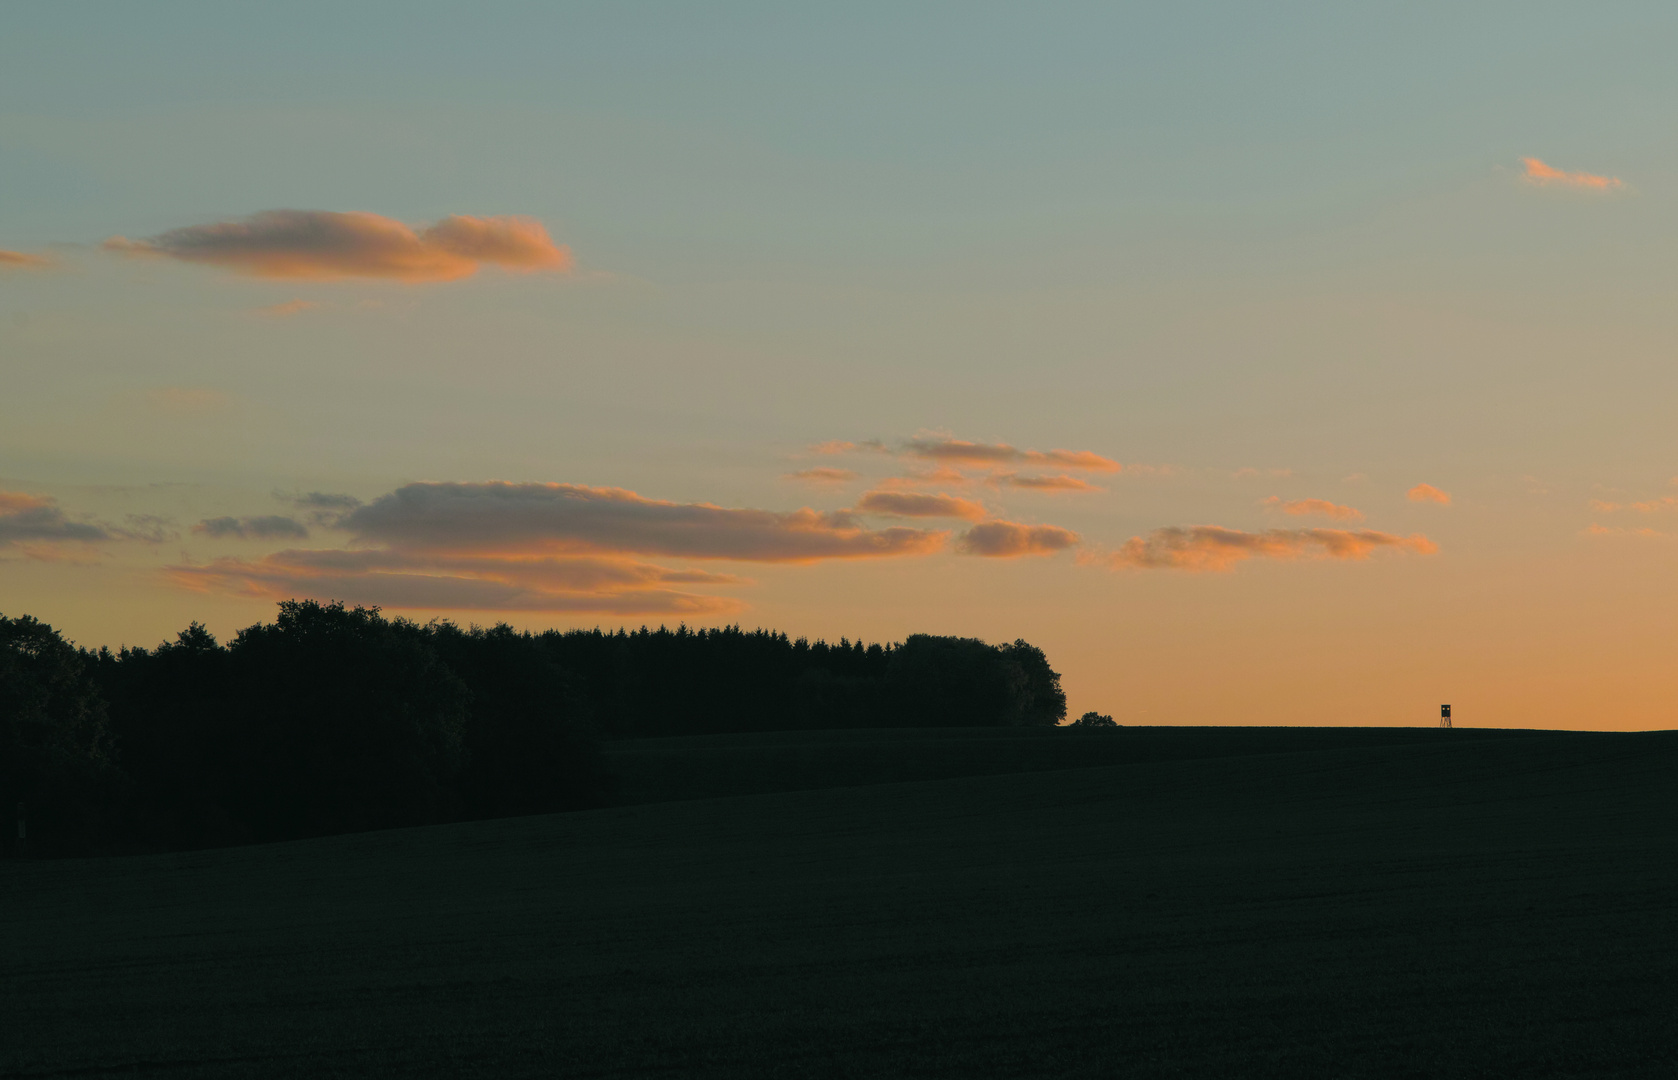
{"points": [[1281, 364]]}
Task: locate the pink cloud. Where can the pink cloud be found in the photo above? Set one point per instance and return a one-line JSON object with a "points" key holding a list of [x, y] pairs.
{"points": [[1010, 540], [325, 245], [1317, 507], [821, 476], [1212, 547], [961, 452], [290, 307], [1428, 493], [1057, 482], [1539, 173], [22, 260], [914, 504], [942, 476], [577, 584], [845, 446]]}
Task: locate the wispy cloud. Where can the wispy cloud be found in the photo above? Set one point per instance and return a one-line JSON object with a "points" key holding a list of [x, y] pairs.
{"points": [[915, 504], [23, 260], [941, 476], [821, 476], [1428, 493], [1615, 530], [1314, 507], [1657, 505], [326, 508], [1213, 548], [326, 245], [267, 527], [485, 582], [846, 446], [1054, 483], [959, 451], [1539, 173], [288, 309], [1011, 540]]}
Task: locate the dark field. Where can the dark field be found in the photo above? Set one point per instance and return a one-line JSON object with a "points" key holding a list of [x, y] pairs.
{"points": [[1146, 902]]}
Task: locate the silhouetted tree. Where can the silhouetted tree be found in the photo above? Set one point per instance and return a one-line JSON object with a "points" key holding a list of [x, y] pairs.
{"points": [[56, 750], [1093, 719], [333, 719], [1044, 701], [349, 721], [529, 746]]}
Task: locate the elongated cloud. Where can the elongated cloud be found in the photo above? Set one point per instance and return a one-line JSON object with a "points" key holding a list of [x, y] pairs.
{"points": [[504, 517], [1428, 493], [846, 446], [914, 504], [1212, 547], [22, 260], [821, 476], [37, 518], [325, 245], [1540, 173], [287, 309], [1057, 482], [271, 526], [573, 584], [958, 451], [1316, 507], [536, 547], [1010, 540]]}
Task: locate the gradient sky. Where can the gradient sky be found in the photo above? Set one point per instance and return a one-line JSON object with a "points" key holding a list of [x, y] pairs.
{"points": [[1355, 331]]}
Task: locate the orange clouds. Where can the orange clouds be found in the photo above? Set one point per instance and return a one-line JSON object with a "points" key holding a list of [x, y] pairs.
{"points": [[531, 518], [1428, 493], [325, 245], [535, 547], [914, 504], [822, 476], [1213, 548], [1648, 506], [1539, 173], [20, 260], [1009, 540], [1058, 482], [958, 451], [1318, 507], [845, 446], [290, 307], [584, 584]]}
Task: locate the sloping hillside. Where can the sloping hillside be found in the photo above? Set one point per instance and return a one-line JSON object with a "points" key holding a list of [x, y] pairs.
{"points": [[1431, 907]]}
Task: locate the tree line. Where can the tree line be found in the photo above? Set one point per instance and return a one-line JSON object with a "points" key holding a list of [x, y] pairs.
{"points": [[333, 719]]}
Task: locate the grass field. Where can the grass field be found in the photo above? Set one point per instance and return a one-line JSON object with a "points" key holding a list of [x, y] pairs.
{"points": [[1185, 903]]}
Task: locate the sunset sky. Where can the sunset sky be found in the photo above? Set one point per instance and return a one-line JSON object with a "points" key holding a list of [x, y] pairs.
{"points": [[1261, 363]]}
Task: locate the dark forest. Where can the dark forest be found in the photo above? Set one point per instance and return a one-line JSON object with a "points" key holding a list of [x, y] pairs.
{"points": [[334, 719]]}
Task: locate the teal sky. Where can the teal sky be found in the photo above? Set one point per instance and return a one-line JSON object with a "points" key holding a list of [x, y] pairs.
{"points": [[1288, 252]]}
